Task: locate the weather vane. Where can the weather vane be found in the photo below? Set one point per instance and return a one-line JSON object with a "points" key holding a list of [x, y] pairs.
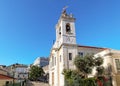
{"points": [[64, 9]]}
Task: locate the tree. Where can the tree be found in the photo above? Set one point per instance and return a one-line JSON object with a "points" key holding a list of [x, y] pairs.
{"points": [[35, 72], [84, 66], [72, 77], [87, 63], [99, 68]]}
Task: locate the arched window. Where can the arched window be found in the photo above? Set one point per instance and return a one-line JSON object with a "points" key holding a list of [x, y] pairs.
{"points": [[68, 29]]}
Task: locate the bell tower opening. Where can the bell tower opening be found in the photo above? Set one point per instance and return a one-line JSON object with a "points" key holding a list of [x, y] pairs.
{"points": [[68, 28]]}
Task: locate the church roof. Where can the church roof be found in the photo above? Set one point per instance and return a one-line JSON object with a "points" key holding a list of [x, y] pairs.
{"points": [[5, 77], [91, 47]]}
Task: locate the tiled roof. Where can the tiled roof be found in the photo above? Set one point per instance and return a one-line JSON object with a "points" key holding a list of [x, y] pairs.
{"points": [[91, 47], [4, 77]]}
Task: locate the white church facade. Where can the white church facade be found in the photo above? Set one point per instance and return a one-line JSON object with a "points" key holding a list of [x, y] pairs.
{"points": [[65, 49]]}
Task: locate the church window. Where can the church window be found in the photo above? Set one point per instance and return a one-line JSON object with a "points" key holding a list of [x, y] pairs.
{"points": [[70, 56], [117, 61], [80, 54], [55, 60], [52, 61], [68, 29], [109, 68]]}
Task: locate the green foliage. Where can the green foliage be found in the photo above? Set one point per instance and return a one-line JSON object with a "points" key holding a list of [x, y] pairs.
{"points": [[100, 70], [35, 72], [71, 77], [98, 61], [103, 80], [90, 82], [67, 73], [15, 84], [84, 67], [74, 78], [87, 63], [84, 64], [68, 77]]}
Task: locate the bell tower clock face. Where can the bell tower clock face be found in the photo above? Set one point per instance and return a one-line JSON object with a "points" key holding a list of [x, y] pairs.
{"points": [[68, 39]]}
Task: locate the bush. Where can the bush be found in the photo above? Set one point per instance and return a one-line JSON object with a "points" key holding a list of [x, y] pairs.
{"points": [[90, 82], [15, 84]]}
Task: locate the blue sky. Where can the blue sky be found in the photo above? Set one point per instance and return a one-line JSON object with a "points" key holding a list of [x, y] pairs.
{"points": [[27, 27]]}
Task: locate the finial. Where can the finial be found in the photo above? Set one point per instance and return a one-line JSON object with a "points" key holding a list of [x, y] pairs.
{"points": [[64, 10], [71, 15]]}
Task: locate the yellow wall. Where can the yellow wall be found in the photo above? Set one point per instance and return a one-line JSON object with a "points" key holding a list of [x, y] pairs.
{"points": [[118, 80], [3, 82]]}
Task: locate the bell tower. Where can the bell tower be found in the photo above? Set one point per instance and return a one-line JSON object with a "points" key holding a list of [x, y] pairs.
{"points": [[65, 29], [64, 49]]}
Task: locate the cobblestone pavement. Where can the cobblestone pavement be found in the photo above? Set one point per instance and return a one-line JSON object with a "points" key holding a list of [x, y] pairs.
{"points": [[29, 83]]}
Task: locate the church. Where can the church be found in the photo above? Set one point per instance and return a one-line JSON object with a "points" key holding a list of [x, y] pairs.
{"points": [[65, 49]]}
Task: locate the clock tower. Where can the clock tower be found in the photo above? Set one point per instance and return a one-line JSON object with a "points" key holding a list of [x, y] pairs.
{"points": [[65, 29]]}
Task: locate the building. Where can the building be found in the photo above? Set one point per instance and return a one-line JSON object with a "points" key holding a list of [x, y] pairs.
{"points": [[41, 61], [21, 72], [18, 71], [3, 71], [4, 80], [2, 66], [46, 69], [65, 49], [111, 64]]}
